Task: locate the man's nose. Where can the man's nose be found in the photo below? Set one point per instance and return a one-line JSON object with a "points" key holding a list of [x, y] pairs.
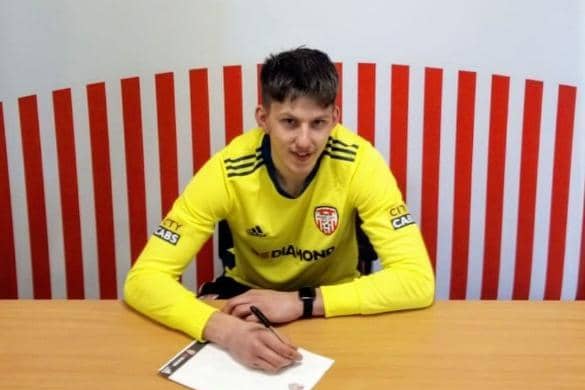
{"points": [[303, 139]]}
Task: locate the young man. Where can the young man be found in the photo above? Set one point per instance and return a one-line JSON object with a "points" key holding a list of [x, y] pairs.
{"points": [[290, 191]]}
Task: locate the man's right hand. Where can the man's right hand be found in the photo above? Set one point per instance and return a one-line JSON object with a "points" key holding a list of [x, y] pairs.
{"points": [[250, 343]]}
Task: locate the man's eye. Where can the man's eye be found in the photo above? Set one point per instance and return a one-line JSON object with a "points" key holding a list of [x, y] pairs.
{"points": [[319, 123], [288, 122]]}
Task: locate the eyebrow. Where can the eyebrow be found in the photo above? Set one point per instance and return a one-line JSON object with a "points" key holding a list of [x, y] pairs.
{"points": [[290, 115]]}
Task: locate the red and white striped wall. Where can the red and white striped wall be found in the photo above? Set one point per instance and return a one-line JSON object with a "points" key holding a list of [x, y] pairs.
{"points": [[491, 166]]}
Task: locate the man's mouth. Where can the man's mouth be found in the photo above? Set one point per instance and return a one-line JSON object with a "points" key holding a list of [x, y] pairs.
{"points": [[302, 156]]}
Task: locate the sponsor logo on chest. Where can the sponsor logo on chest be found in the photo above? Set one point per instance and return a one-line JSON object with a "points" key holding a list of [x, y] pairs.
{"points": [[326, 219]]}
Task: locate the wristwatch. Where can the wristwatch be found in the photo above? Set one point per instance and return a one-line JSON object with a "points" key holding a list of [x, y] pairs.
{"points": [[307, 296]]}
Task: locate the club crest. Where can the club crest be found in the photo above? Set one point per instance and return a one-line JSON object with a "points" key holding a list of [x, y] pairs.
{"points": [[326, 219]]}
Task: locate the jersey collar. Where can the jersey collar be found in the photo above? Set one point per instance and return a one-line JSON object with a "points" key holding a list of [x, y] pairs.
{"points": [[267, 157]]}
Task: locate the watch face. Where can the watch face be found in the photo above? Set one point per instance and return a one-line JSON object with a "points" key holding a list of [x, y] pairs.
{"points": [[307, 293]]}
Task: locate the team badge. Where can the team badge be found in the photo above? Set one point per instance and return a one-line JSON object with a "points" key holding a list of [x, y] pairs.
{"points": [[326, 219]]}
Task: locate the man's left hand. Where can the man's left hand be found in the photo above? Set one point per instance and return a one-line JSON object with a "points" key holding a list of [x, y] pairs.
{"points": [[278, 306]]}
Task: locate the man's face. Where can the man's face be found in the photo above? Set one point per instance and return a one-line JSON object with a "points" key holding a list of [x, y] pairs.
{"points": [[298, 132]]}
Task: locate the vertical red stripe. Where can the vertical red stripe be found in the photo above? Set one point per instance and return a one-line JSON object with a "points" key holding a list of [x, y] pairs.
{"points": [[462, 196], [8, 283], [259, 82], [167, 140], [495, 186], [104, 214], [134, 153], [560, 191], [232, 89], [581, 278], [205, 263], [35, 196], [399, 124], [63, 113], [367, 101], [339, 98], [431, 159], [527, 188], [200, 129]]}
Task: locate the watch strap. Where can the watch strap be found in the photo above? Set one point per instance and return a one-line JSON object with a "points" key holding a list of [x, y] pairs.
{"points": [[307, 296]]}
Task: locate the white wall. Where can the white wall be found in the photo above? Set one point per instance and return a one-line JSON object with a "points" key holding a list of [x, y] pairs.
{"points": [[47, 45]]}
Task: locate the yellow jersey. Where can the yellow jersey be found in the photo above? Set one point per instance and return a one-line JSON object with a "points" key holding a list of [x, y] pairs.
{"points": [[285, 243]]}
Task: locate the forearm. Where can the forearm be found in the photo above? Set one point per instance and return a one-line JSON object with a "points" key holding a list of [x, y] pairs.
{"points": [[165, 300], [394, 288]]}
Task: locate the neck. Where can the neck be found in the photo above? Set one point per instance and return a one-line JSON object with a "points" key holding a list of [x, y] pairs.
{"points": [[291, 187]]}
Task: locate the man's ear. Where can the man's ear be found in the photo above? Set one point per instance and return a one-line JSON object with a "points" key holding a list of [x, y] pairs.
{"points": [[336, 114], [261, 115]]}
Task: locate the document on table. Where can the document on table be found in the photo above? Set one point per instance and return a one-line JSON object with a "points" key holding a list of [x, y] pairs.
{"points": [[208, 367]]}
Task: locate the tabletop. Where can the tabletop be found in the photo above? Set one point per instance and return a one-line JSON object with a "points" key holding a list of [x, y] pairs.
{"points": [[90, 344]]}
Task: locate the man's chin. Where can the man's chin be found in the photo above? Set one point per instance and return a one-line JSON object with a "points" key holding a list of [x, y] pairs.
{"points": [[303, 170]]}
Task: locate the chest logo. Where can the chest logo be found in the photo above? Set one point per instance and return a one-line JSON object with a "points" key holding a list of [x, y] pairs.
{"points": [[326, 219], [256, 231]]}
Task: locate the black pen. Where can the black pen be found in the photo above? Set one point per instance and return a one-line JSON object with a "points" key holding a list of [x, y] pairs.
{"points": [[265, 322]]}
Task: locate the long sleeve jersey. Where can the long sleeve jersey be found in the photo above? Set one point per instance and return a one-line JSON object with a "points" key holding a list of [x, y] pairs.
{"points": [[285, 243]]}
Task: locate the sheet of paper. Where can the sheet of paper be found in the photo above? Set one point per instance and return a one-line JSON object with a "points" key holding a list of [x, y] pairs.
{"points": [[208, 367]]}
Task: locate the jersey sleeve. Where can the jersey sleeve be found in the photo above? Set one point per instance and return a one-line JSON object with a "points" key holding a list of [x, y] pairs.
{"points": [[152, 286], [406, 280]]}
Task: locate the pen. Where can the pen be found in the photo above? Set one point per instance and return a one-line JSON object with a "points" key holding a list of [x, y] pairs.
{"points": [[265, 322]]}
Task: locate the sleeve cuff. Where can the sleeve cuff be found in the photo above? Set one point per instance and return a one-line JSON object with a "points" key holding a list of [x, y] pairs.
{"points": [[196, 321], [341, 299]]}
